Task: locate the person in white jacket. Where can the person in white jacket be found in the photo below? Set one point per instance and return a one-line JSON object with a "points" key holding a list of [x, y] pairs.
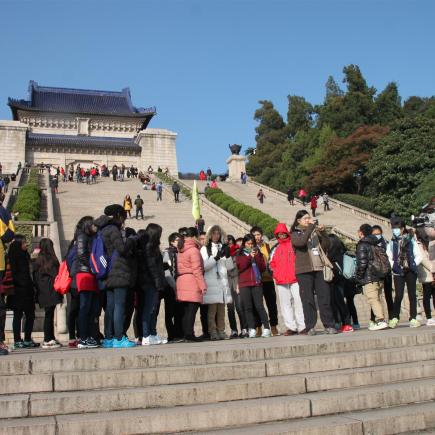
{"points": [[217, 262]]}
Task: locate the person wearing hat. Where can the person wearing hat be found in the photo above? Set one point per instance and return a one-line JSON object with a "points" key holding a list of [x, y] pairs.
{"points": [[121, 275]]}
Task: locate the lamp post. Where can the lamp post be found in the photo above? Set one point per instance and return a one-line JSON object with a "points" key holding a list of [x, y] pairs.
{"points": [[358, 175]]}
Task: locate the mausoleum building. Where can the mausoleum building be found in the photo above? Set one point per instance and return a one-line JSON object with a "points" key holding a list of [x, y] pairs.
{"points": [[62, 126]]}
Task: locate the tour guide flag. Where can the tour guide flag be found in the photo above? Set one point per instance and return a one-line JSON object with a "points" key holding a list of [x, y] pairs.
{"points": [[195, 202]]}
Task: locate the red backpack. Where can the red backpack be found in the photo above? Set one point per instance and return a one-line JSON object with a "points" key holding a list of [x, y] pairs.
{"points": [[62, 282]]}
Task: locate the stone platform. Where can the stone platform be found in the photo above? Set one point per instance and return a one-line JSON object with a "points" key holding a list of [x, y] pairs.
{"points": [[361, 383]]}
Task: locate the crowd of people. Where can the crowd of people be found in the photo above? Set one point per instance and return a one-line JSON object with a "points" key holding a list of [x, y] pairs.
{"points": [[126, 274]]}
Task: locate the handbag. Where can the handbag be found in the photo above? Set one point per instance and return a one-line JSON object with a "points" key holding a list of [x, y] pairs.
{"points": [[328, 268]]}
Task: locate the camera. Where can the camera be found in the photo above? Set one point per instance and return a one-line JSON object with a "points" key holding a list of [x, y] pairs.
{"points": [[426, 218]]}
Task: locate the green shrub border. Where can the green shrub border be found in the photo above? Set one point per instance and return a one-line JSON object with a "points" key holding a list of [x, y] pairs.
{"points": [[169, 180], [359, 201], [28, 202]]}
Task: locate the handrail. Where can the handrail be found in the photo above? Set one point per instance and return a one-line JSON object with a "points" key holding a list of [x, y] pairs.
{"points": [[12, 189]]}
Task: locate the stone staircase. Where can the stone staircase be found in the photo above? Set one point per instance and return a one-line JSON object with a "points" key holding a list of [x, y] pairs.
{"points": [[363, 383]]}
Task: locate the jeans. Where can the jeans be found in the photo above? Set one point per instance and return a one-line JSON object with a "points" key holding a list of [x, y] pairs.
{"points": [[189, 313], [129, 309], [159, 196], [410, 279], [176, 196], [49, 323], [89, 307], [339, 307], [428, 294], [311, 283], [149, 314], [115, 310], [139, 211], [2, 318], [29, 312], [253, 297], [349, 292], [73, 308]]}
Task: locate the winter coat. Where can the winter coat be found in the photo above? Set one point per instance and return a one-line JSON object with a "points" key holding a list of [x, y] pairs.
{"points": [[46, 296], [303, 241], [84, 247], [191, 285], [122, 274], [412, 256], [313, 202], [151, 274], [216, 275], [426, 268], [246, 272], [24, 292], [283, 258], [365, 273]]}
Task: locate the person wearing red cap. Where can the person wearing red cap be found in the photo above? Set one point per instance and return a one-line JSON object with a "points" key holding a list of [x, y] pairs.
{"points": [[282, 264]]}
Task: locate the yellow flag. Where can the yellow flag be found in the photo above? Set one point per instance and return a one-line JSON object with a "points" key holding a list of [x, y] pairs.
{"points": [[196, 210]]}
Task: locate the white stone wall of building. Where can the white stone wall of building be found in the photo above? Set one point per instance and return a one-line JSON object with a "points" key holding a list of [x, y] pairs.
{"points": [[12, 145], [158, 149]]}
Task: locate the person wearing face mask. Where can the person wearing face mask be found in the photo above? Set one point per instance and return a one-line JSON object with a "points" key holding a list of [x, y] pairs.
{"points": [[388, 280], [405, 258]]}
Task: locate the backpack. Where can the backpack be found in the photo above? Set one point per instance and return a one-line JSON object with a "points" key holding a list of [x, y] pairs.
{"points": [[100, 261], [381, 264], [349, 265], [63, 280]]}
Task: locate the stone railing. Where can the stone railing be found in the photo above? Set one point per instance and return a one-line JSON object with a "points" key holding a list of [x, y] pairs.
{"points": [[12, 190]]}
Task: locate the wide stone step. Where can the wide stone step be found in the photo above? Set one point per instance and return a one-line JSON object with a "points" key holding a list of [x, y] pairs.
{"points": [[229, 351], [330, 363], [206, 417]]}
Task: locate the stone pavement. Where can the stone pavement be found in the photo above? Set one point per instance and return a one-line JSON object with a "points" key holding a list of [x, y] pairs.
{"points": [[279, 208], [79, 199], [362, 383]]}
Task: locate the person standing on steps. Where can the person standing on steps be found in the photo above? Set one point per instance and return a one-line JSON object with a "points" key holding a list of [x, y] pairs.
{"points": [[176, 191], [138, 202], [128, 205], [261, 196], [190, 284], [290, 196], [368, 277], [405, 258], [313, 205], [159, 190], [268, 285], [282, 264], [200, 224], [302, 196], [325, 198], [309, 241], [209, 174]]}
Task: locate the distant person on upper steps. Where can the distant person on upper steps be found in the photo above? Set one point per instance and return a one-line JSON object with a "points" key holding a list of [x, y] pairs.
{"points": [[261, 196], [202, 176], [313, 205], [290, 196], [302, 196], [209, 174], [214, 184]]}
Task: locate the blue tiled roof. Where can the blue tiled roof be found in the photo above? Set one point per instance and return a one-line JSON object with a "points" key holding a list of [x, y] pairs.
{"points": [[65, 100], [82, 141]]}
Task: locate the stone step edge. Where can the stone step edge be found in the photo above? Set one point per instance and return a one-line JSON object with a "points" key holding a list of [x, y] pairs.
{"points": [[223, 355], [59, 424]]}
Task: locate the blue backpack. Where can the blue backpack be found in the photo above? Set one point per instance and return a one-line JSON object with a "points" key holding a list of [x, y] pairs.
{"points": [[100, 261], [349, 265]]}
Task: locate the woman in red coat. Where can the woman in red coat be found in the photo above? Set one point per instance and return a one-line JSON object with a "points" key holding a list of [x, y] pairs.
{"points": [[313, 203], [190, 283], [250, 264]]}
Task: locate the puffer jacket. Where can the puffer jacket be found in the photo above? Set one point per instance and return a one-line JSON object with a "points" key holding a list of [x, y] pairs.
{"points": [[84, 247], [122, 274], [191, 285], [365, 272], [282, 258], [151, 273]]}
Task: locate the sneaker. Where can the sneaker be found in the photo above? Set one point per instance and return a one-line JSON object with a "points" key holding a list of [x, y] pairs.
{"points": [[30, 344], [346, 328], [123, 343], [393, 322], [312, 332], [82, 344], [155, 339], [18, 345], [72, 344], [138, 341], [356, 326], [371, 324], [244, 333], [91, 343], [303, 332], [107, 343], [430, 322], [193, 339], [331, 331], [234, 334], [223, 335], [147, 341], [414, 323], [214, 336], [204, 337], [4, 351], [52, 344], [266, 333], [380, 324], [275, 331], [252, 333]]}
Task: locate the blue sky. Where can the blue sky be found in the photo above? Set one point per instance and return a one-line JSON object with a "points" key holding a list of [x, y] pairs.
{"points": [[205, 64]]}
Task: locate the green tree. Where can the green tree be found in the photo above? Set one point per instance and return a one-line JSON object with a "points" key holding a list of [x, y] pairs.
{"points": [[332, 88], [415, 106], [388, 105], [400, 164], [299, 115]]}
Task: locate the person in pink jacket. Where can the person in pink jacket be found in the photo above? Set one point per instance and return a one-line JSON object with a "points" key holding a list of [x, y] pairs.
{"points": [[190, 283]]}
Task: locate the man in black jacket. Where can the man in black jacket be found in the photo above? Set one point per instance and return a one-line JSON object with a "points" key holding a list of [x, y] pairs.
{"points": [[367, 276]]}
